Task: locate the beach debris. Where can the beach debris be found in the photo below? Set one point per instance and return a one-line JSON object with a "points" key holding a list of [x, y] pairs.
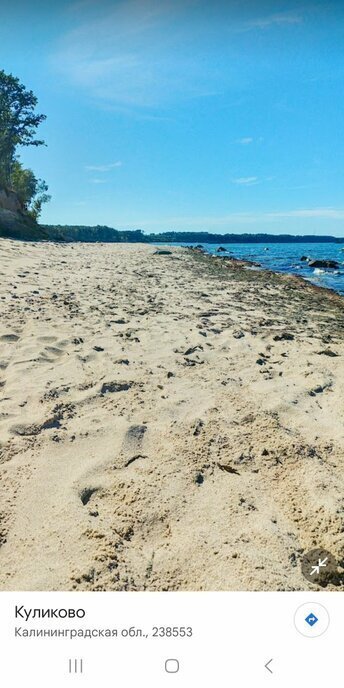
{"points": [[249, 507], [98, 348], [192, 349], [323, 264], [284, 336], [238, 334], [266, 322], [130, 334], [244, 458], [198, 428], [191, 362], [162, 252], [56, 438], [86, 494], [199, 479], [319, 389], [170, 374], [221, 249], [227, 468], [110, 387], [327, 352], [134, 458]]}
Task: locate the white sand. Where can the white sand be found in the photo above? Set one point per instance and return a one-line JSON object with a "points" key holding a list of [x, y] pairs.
{"points": [[206, 470]]}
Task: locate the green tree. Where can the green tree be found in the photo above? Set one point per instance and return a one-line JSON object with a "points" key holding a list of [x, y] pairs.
{"points": [[41, 196], [24, 183], [31, 192], [18, 122]]}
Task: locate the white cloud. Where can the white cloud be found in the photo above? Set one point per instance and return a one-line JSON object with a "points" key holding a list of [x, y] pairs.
{"points": [[98, 181], [246, 181], [245, 141], [244, 218], [322, 213], [142, 54], [104, 168], [274, 20], [135, 53]]}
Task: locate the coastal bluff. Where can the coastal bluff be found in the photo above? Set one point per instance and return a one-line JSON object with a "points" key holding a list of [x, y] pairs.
{"points": [[14, 222]]}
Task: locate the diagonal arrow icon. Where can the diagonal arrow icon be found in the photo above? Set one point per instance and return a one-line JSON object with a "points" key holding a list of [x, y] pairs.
{"points": [[321, 564], [267, 666]]}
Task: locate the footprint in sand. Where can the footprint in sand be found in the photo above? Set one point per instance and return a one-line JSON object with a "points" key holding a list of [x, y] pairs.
{"points": [[9, 338], [47, 340], [51, 354], [53, 350], [132, 444]]}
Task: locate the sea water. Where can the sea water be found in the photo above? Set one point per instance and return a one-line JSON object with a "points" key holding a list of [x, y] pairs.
{"points": [[287, 258]]}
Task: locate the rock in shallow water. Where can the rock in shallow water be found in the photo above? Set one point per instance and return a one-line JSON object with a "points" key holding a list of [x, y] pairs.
{"points": [[323, 264]]}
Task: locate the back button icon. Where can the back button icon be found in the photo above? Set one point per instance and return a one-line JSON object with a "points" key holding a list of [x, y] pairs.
{"points": [[268, 666]]}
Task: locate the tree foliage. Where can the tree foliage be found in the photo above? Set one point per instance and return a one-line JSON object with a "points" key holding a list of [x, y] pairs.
{"points": [[18, 122], [31, 192], [111, 235], [18, 125]]}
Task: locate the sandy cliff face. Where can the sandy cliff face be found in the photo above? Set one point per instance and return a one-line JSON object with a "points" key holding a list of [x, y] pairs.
{"points": [[18, 226], [9, 201], [14, 224]]}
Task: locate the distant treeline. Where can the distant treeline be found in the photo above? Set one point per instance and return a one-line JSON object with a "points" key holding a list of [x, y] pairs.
{"points": [[110, 235], [93, 234]]}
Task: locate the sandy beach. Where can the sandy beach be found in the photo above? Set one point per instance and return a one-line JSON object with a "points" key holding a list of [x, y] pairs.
{"points": [[168, 422]]}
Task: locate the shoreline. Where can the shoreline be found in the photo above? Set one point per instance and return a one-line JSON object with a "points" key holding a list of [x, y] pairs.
{"points": [[233, 263], [160, 245], [168, 422], [255, 265]]}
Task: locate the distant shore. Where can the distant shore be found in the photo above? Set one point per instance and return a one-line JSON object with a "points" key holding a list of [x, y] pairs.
{"points": [[109, 234], [16, 225], [169, 421]]}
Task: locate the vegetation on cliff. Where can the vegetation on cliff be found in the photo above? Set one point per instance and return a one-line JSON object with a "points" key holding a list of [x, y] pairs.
{"points": [[22, 194]]}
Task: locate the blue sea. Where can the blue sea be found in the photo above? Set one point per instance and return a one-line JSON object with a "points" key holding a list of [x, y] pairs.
{"points": [[287, 258]]}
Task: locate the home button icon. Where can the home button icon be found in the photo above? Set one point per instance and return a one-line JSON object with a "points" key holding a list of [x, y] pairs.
{"points": [[172, 666]]}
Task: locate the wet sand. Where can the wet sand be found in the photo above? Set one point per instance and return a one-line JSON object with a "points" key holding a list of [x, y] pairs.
{"points": [[167, 422]]}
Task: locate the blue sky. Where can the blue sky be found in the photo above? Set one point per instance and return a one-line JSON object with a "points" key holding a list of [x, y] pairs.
{"points": [[186, 114]]}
